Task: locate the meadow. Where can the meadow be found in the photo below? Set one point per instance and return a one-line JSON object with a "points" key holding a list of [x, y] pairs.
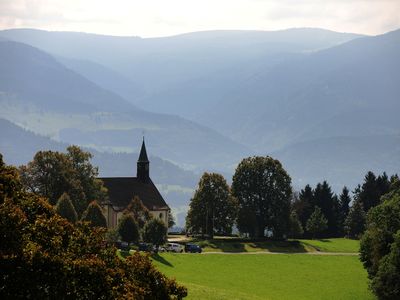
{"points": [[267, 276]]}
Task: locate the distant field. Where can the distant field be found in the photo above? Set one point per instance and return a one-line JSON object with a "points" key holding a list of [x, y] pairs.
{"points": [[267, 276]]}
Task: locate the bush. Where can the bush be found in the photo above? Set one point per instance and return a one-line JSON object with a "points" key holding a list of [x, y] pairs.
{"points": [[128, 228], [155, 232], [94, 215], [65, 208]]}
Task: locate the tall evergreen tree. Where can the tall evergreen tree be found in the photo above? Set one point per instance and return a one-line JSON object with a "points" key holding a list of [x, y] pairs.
{"points": [[355, 221], [296, 229], [305, 205], [328, 203], [94, 215], [343, 211], [65, 208]]}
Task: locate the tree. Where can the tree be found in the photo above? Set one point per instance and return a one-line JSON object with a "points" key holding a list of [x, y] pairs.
{"points": [[317, 222], [94, 215], [370, 192], [380, 245], [155, 232], [355, 222], [52, 173], [263, 189], [386, 283], [171, 219], [140, 212], [328, 202], [304, 205], [212, 208], [343, 211], [296, 229], [128, 228], [43, 256], [65, 208]]}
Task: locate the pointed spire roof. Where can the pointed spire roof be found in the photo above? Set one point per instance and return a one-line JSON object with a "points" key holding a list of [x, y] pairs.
{"points": [[143, 153]]}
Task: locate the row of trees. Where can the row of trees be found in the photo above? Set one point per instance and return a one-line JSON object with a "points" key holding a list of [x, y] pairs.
{"points": [[43, 255], [260, 202]]}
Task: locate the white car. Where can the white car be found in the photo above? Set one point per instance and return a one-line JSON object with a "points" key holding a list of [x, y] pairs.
{"points": [[174, 247]]}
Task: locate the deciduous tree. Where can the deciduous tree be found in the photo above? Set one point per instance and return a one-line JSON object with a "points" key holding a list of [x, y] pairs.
{"points": [[263, 189], [155, 232], [212, 208]]}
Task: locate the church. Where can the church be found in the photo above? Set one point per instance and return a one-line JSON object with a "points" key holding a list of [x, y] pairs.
{"points": [[121, 191]]}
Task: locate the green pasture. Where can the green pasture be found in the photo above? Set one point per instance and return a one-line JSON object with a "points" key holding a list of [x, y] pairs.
{"points": [[267, 276], [291, 246]]}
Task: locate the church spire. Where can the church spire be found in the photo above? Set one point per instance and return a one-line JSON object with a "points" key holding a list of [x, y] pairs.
{"points": [[143, 165]]}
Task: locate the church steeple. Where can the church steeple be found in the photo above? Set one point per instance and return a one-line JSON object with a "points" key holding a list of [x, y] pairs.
{"points": [[143, 165]]}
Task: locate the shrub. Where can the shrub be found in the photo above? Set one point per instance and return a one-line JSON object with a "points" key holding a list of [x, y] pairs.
{"points": [[128, 228], [94, 215]]}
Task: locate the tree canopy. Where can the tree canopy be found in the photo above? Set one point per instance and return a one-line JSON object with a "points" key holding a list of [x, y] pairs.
{"points": [[317, 222], [263, 189], [52, 173], [155, 232], [43, 256], [212, 208]]}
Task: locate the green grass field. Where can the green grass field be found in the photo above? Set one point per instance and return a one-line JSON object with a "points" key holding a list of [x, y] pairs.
{"points": [[333, 245], [267, 276], [294, 246]]}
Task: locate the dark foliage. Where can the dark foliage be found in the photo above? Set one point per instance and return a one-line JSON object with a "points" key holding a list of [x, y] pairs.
{"points": [[65, 208], [128, 228], [94, 215]]}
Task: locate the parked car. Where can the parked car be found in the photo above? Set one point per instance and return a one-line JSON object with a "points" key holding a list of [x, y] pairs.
{"points": [[174, 247], [145, 247], [192, 248]]}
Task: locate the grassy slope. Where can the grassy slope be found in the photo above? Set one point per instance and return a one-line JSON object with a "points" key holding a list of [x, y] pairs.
{"points": [[263, 276], [333, 245], [235, 245]]}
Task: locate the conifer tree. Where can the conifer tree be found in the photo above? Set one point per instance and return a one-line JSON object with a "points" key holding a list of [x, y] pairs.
{"points": [[94, 215], [296, 229], [344, 201], [317, 222], [65, 208], [355, 221], [140, 212], [128, 228]]}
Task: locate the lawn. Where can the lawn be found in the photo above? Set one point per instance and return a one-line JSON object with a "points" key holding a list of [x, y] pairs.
{"points": [[267, 276], [334, 245], [293, 246]]}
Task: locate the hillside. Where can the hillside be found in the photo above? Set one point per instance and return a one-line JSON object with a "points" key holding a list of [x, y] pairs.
{"points": [[44, 96], [18, 146]]}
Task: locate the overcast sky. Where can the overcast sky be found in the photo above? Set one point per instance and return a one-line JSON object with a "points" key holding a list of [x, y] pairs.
{"points": [[150, 18]]}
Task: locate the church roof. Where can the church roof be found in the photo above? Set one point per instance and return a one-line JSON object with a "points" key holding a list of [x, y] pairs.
{"points": [[143, 153], [121, 191]]}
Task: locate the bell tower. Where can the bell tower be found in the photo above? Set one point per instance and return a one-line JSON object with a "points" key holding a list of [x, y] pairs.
{"points": [[143, 165]]}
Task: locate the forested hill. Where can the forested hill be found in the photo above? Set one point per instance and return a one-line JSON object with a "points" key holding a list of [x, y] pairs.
{"points": [[18, 147]]}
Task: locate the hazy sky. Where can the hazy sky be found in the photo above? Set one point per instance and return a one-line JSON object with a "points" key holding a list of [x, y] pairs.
{"points": [[148, 18]]}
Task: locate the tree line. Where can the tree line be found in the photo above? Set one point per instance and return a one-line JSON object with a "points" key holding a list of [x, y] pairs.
{"points": [[261, 202]]}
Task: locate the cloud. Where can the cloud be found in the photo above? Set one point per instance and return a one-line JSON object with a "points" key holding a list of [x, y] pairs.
{"points": [[160, 17]]}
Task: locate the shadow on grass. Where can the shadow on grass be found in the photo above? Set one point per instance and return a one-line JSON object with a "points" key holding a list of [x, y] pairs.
{"points": [[161, 259], [251, 245]]}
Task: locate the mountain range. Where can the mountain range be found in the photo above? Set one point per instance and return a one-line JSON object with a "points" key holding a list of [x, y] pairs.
{"points": [[325, 103]]}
